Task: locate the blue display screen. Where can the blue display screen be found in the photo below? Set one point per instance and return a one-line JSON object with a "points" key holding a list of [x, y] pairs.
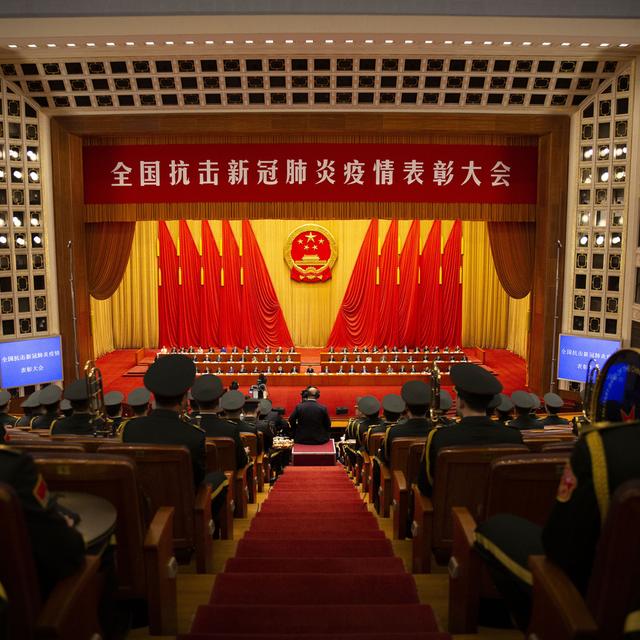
{"points": [[575, 352], [28, 362]]}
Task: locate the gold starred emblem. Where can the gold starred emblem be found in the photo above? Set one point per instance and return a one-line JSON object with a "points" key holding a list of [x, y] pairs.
{"points": [[310, 252]]}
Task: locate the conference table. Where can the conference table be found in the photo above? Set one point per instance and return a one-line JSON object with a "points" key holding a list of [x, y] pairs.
{"points": [[331, 379]]}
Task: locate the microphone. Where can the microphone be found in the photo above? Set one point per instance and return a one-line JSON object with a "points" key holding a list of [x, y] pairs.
{"points": [[559, 244], [69, 244]]}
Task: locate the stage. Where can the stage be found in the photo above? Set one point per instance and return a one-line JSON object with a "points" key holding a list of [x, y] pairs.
{"points": [[336, 390]]}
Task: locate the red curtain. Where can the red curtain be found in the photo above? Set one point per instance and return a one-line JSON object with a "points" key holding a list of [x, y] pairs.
{"points": [[387, 330], [409, 302], [263, 323], [190, 288], [430, 300], [108, 249], [452, 288], [210, 307], [231, 298], [513, 249], [168, 289], [358, 315]]}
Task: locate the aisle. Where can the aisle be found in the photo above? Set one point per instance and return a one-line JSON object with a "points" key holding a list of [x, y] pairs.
{"points": [[314, 565]]}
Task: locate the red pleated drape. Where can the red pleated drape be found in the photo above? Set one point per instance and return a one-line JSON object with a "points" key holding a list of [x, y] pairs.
{"points": [[210, 307], [263, 322], [190, 288], [168, 289], [513, 250], [387, 330], [358, 315], [231, 291], [408, 298], [430, 298], [452, 288]]}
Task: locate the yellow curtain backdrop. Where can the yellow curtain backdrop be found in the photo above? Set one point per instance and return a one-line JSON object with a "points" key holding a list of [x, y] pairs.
{"points": [[490, 319]]}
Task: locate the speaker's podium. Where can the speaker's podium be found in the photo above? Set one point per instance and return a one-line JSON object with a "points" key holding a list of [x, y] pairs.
{"points": [[314, 455]]}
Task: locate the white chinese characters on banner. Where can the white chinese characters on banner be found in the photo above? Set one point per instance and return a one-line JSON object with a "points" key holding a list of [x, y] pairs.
{"points": [[267, 173]]}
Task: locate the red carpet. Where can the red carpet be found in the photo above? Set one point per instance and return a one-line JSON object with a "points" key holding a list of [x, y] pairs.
{"points": [[314, 566], [318, 455]]}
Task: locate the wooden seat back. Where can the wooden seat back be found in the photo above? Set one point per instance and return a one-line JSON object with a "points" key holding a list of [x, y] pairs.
{"points": [[461, 478], [374, 442], [414, 461], [400, 448], [524, 485], [225, 453], [250, 440], [48, 445], [90, 444], [114, 479], [165, 479], [17, 567], [212, 462], [558, 447], [535, 440], [613, 587]]}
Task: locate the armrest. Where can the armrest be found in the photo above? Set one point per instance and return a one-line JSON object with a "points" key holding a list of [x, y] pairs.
{"points": [[422, 530], [464, 574], [161, 570], [203, 530], [72, 607], [366, 458], [399, 483], [558, 609], [399, 505]]}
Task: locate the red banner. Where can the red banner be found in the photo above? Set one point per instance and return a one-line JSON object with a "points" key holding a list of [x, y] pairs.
{"points": [[310, 172]]}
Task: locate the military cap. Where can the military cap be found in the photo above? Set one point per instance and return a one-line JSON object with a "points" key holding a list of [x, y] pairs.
{"points": [[369, 405], [32, 401], [416, 392], [250, 404], [264, 406], [494, 402], [65, 405], [506, 405], [207, 388], [5, 397], [552, 400], [232, 400], [113, 399], [393, 403], [536, 401], [50, 394], [170, 375], [522, 399], [474, 383], [446, 401], [138, 397], [77, 391]]}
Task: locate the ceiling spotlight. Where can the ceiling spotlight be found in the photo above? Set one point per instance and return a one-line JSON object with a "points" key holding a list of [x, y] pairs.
{"points": [[565, 44], [288, 41], [189, 42], [388, 41], [468, 42], [599, 240], [604, 44], [584, 240], [3, 222], [89, 44], [37, 239], [428, 41], [603, 152], [3, 239], [350, 41], [526, 44], [32, 46], [248, 41], [620, 174], [488, 42], [12, 46], [169, 42], [208, 41], [228, 41], [328, 41], [51, 45], [546, 44], [130, 44], [13, 154], [1, 178], [588, 153], [17, 174], [17, 222], [308, 41], [604, 176], [585, 44], [368, 41], [584, 219], [448, 41], [149, 43], [71, 44], [507, 43], [34, 176], [110, 44], [622, 44], [35, 222], [268, 41], [616, 239], [20, 241]]}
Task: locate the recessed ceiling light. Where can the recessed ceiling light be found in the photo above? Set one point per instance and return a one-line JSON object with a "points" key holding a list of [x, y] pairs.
{"points": [[110, 44], [388, 41], [308, 41], [168, 41], [51, 45], [288, 41], [368, 41], [565, 44], [605, 44], [546, 44], [13, 46], [71, 44], [150, 43], [268, 41], [488, 42], [428, 41], [228, 41], [328, 41], [90, 44], [623, 44], [248, 41], [448, 41], [32, 46], [130, 44], [526, 44], [189, 42], [506, 43], [208, 41], [408, 41], [348, 41], [468, 42], [584, 44]]}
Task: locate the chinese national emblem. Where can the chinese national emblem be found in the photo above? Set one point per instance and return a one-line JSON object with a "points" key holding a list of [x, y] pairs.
{"points": [[310, 252]]}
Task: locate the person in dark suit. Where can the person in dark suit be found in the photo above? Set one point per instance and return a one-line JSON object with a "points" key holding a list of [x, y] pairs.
{"points": [[263, 425], [81, 422], [207, 390], [310, 421], [553, 404], [31, 408], [58, 549], [50, 398], [524, 419], [113, 407], [475, 388], [6, 419]]}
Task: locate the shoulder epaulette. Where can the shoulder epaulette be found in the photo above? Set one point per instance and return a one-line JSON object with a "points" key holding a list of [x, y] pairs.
{"points": [[190, 422], [121, 427], [53, 424], [602, 426], [7, 448]]}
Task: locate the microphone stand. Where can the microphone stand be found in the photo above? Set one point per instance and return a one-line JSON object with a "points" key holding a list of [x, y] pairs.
{"points": [[74, 315], [552, 382]]}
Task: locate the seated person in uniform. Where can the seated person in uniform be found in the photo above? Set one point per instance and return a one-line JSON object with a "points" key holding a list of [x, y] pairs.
{"points": [[138, 401], [553, 404], [250, 418], [504, 411], [524, 419], [368, 409], [113, 407], [6, 419], [50, 399], [446, 402], [65, 408], [31, 408], [81, 422], [475, 388], [58, 549]]}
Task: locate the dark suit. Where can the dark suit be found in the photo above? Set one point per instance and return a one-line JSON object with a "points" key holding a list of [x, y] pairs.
{"points": [[6, 420], [24, 420], [77, 424], [58, 549], [570, 535], [471, 431], [310, 423], [553, 419], [411, 428], [216, 427], [44, 421], [526, 421]]}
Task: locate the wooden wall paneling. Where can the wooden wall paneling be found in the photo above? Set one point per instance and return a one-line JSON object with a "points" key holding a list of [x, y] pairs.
{"points": [[68, 203]]}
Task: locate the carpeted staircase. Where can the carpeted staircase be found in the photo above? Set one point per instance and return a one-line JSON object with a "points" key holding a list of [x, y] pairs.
{"points": [[314, 566]]}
